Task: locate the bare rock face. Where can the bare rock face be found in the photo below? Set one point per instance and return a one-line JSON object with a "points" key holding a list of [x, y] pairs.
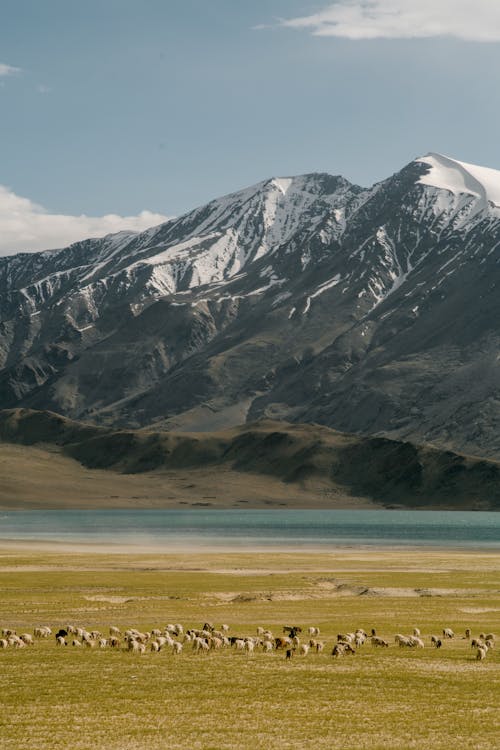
{"points": [[305, 299]]}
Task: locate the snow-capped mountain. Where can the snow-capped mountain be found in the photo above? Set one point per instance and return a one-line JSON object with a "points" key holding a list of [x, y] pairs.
{"points": [[306, 298]]}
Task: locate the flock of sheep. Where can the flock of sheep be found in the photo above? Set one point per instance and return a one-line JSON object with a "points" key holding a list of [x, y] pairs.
{"points": [[208, 638]]}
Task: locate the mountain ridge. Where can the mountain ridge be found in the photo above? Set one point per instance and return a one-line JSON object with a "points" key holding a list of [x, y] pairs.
{"points": [[306, 299]]}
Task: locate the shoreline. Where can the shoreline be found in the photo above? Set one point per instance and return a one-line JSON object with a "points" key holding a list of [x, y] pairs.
{"points": [[62, 546]]}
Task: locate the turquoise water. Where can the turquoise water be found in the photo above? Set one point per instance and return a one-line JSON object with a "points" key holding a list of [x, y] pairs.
{"points": [[240, 529]]}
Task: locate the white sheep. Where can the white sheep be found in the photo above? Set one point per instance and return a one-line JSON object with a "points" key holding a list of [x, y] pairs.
{"points": [[177, 647], [481, 653]]}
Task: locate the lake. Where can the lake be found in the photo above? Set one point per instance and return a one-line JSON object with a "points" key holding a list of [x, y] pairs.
{"points": [[254, 529]]}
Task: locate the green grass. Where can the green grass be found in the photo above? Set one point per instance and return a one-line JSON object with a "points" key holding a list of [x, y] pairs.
{"points": [[391, 699]]}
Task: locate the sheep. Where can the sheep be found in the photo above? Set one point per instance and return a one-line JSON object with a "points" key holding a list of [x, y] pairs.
{"points": [[403, 640], [113, 630], [416, 632], [267, 646], [448, 633], [319, 646], [224, 627], [249, 646], [42, 631], [346, 637], [177, 647], [155, 646], [304, 649], [338, 650], [376, 641], [481, 653], [114, 642], [27, 638], [136, 647], [4, 643], [416, 642], [103, 642], [156, 633], [313, 631], [468, 633], [76, 642]]}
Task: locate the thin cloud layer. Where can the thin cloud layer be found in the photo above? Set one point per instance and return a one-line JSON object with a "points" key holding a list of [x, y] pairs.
{"points": [[26, 226], [8, 70], [470, 20]]}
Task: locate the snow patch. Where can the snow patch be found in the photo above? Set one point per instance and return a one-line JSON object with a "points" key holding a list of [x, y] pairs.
{"points": [[459, 177]]}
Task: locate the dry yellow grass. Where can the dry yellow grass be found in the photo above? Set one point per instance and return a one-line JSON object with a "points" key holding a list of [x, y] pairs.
{"points": [[395, 699]]}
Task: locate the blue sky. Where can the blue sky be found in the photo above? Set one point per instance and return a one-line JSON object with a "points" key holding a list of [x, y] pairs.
{"points": [[120, 106]]}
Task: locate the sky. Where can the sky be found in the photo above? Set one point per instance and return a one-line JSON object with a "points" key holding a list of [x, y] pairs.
{"points": [[117, 114]]}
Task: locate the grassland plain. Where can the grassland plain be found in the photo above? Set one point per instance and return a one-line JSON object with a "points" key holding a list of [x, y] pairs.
{"points": [[55, 698]]}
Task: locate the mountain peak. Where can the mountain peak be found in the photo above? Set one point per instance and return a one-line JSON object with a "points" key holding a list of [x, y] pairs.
{"points": [[459, 177]]}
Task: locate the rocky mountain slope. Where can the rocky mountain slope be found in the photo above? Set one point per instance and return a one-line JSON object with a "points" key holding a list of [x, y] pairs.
{"points": [[306, 299]]}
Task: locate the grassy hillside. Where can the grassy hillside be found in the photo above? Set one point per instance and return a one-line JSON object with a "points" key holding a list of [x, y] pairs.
{"points": [[277, 462]]}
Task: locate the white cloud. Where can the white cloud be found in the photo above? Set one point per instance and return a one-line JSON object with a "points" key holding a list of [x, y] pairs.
{"points": [[42, 89], [470, 20], [8, 70], [26, 226]]}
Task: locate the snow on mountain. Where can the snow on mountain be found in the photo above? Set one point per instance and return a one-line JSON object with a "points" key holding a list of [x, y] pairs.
{"points": [[459, 177]]}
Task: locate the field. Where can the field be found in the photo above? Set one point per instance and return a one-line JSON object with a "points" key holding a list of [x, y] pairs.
{"points": [[392, 698]]}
